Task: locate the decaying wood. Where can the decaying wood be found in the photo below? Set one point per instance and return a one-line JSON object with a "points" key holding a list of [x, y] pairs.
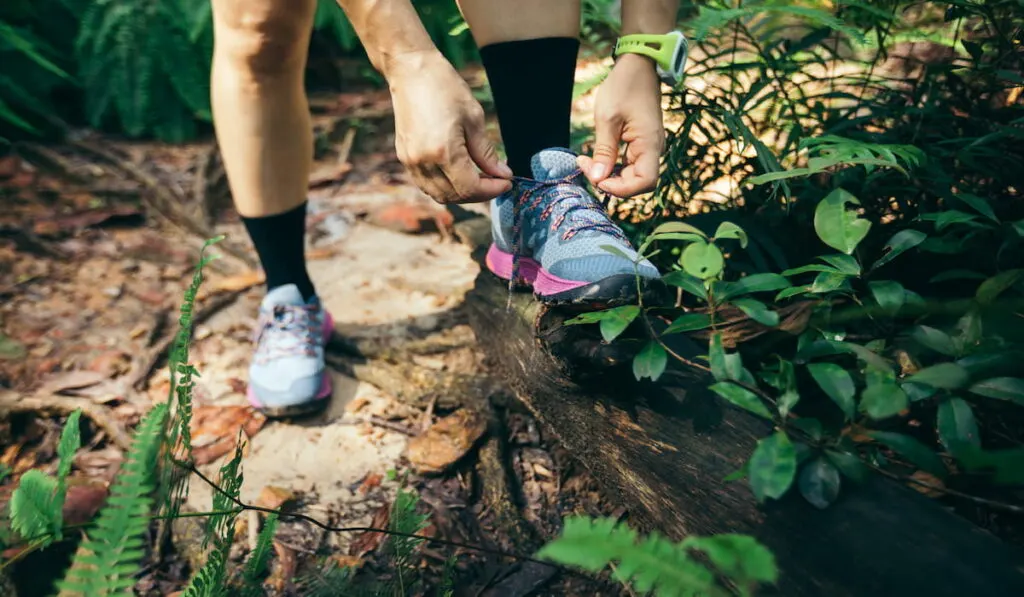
{"points": [[663, 451], [14, 403], [414, 385]]}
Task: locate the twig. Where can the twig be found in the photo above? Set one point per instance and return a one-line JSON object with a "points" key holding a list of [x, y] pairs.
{"points": [[379, 422], [159, 351], [13, 402], [972, 498], [163, 201], [333, 529]]}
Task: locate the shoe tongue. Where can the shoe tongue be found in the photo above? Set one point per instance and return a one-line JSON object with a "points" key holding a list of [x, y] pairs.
{"points": [[554, 163], [287, 295]]}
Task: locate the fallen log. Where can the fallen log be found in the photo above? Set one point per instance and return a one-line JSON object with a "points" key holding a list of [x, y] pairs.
{"points": [[663, 451]]}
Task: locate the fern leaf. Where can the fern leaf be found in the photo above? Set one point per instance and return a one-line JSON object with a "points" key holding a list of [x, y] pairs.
{"points": [[651, 564], [70, 441], [209, 580], [257, 564], [34, 511], [330, 581], [404, 519], [740, 558], [108, 559]]}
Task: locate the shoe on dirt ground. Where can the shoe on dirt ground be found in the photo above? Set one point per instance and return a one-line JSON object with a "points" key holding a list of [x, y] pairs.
{"points": [[287, 377], [556, 245]]}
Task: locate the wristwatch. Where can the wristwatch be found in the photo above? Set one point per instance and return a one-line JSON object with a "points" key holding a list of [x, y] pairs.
{"points": [[668, 52]]}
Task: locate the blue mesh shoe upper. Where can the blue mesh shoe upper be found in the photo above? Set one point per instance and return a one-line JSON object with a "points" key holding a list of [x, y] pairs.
{"points": [[562, 226]]}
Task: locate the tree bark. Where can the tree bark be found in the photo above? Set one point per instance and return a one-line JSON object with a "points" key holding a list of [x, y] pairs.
{"points": [[664, 450]]}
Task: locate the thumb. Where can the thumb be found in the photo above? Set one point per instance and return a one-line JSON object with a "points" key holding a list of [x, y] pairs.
{"points": [[607, 133], [482, 151]]}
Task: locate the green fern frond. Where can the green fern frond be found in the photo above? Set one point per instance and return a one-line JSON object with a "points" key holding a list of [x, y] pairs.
{"points": [[220, 527], [108, 559], [655, 564], [404, 519], [36, 507], [70, 441], [34, 510], [257, 565], [330, 581], [173, 483], [209, 580]]}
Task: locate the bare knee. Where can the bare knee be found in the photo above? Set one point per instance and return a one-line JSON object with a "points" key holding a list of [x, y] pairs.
{"points": [[263, 38]]}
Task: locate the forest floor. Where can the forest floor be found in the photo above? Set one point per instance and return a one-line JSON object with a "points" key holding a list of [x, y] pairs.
{"points": [[98, 239]]}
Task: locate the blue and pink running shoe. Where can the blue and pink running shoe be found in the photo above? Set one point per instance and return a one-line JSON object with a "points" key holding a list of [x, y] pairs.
{"points": [[549, 234], [288, 377]]}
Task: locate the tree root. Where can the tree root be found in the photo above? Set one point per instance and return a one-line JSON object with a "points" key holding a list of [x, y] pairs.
{"points": [[15, 403]]}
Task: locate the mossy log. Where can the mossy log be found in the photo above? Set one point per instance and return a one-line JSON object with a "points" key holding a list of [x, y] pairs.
{"points": [[663, 451]]}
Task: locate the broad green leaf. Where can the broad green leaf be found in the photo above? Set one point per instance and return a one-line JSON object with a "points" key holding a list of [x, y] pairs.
{"points": [[810, 426], [979, 205], [741, 397], [948, 217], [957, 425], [676, 227], [650, 362], [682, 236], [883, 400], [754, 283], [757, 311], [934, 339], [991, 289], [814, 267], [783, 379], [944, 376], [617, 320], [819, 483], [850, 465], [1000, 388], [772, 467], [735, 370], [11, 349], [688, 323], [846, 264], [820, 348], [900, 243], [970, 329], [687, 282], [617, 252], [1008, 465], [730, 230], [889, 295], [827, 282], [837, 384], [791, 292], [589, 317], [716, 357], [917, 453], [838, 227], [703, 260]]}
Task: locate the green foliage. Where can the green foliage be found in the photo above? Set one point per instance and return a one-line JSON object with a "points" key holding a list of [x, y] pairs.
{"points": [[891, 192], [109, 557], [656, 565]]}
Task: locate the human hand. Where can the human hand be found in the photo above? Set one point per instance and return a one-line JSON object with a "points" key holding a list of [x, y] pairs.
{"points": [[440, 135], [628, 111]]}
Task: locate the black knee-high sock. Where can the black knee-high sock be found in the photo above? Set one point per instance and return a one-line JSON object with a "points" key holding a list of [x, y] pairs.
{"points": [[280, 244], [531, 81]]}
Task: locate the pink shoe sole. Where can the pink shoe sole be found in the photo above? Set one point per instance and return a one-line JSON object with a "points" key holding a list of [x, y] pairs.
{"points": [[530, 272]]}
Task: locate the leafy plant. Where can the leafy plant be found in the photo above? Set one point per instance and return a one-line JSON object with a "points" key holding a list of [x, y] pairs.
{"points": [[660, 567]]}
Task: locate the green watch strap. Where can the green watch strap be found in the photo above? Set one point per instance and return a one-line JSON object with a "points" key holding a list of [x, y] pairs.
{"points": [[659, 48]]}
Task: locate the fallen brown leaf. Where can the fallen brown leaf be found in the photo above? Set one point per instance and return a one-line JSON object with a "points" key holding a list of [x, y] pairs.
{"points": [[283, 569], [344, 561], [369, 541], [321, 253], [274, 497], [371, 481], [411, 218], [243, 281], [215, 430], [70, 380], [928, 484], [84, 499], [446, 441]]}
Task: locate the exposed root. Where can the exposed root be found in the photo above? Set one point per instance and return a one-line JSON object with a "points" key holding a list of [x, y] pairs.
{"points": [[15, 403]]}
